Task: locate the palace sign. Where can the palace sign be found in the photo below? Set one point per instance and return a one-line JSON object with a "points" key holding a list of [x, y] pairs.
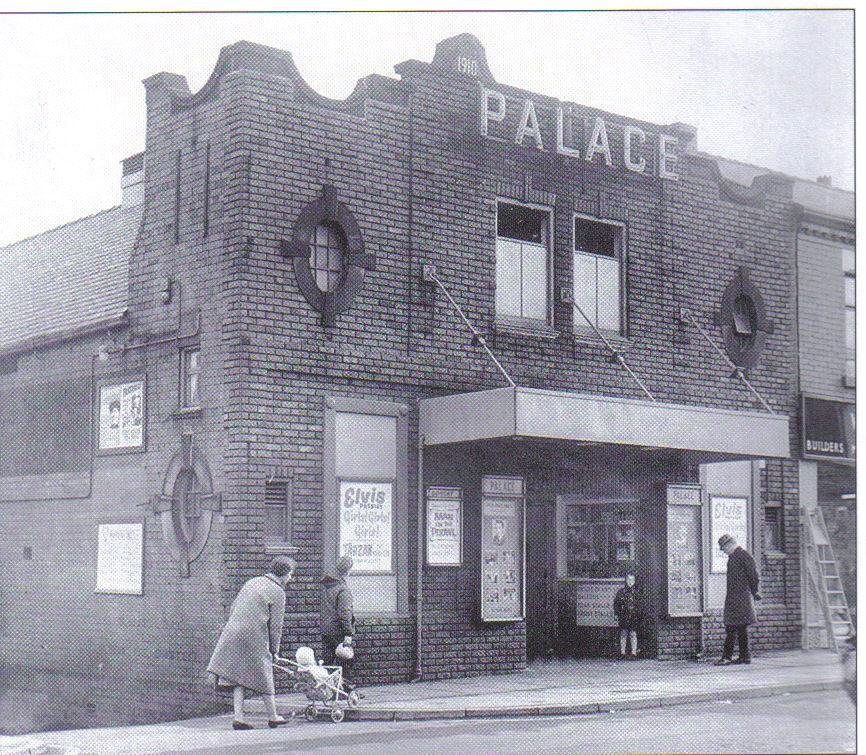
{"points": [[526, 128]]}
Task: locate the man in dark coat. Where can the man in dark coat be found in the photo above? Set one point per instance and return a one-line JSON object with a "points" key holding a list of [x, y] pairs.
{"points": [[739, 609], [338, 619]]}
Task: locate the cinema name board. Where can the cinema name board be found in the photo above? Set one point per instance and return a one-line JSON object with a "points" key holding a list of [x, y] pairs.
{"points": [[525, 129]]}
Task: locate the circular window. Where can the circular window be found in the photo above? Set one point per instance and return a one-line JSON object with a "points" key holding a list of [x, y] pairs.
{"points": [[327, 255], [327, 252]]}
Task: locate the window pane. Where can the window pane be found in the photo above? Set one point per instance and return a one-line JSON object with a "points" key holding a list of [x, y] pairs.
{"points": [[275, 523], [192, 390], [521, 223], [534, 282], [850, 328], [584, 289], [321, 278], [608, 293], [595, 238], [507, 278], [848, 259], [366, 446], [193, 361], [850, 300]]}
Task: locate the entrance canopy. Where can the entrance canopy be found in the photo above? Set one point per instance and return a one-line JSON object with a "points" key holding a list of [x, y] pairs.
{"points": [[536, 413]]}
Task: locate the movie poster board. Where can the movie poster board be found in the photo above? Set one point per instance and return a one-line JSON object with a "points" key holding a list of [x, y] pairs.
{"points": [[444, 526], [120, 558], [729, 515], [502, 539], [684, 541], [121, 416], [367, 525]]}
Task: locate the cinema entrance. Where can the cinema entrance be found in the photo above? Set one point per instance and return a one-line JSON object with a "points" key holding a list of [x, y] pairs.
{"points": [[604, 488]]}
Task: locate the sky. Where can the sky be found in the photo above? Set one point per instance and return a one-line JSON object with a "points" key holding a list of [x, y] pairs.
{"points": [[770, 88]]}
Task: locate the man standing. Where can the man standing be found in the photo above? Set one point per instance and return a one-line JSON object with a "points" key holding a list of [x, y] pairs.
{"points": [[739, 609]]}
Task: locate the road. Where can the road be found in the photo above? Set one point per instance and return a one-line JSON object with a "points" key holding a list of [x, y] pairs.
{"points": [[817, 722]]}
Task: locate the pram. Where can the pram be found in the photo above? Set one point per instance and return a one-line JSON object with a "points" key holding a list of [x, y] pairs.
{"points": [[326, 691]]}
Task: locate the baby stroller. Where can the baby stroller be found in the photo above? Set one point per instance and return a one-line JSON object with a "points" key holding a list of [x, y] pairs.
{"points": [[323, 686]]}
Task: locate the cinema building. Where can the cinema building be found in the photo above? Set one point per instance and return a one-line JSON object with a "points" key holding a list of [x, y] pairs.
{"points": [[500, 348]]}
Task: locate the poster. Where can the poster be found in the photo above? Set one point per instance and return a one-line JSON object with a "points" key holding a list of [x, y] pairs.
{"points": [[121, 416], [731, 516], [444, 527], [594, 601], [685, 582], [119, 559], [367, 525], [502, 556]]}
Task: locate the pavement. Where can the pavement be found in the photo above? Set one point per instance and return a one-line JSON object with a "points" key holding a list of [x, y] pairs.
{"points": [[554, 687]]}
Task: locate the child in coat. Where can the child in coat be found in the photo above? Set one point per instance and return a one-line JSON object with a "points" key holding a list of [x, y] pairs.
{"points": [[625, 606]]}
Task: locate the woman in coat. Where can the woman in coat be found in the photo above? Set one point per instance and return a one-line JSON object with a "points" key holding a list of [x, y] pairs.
{"points": [[243, 657], [742, 587]]}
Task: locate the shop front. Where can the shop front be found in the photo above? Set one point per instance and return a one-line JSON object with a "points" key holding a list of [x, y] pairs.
{"points": [[555, 497]]}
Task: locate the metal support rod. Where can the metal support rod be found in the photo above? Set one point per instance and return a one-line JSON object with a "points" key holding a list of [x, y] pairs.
{"points": [[430, 274], [686, 315], [619, 357], [419, 590]]}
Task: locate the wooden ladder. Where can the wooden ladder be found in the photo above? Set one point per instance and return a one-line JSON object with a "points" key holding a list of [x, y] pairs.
{"points": [[824, 571]]}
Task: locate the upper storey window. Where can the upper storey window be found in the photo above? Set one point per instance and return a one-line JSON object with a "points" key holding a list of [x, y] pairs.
{"points": [[327, 255], [522, 263], [598, 250], [850, 315]]}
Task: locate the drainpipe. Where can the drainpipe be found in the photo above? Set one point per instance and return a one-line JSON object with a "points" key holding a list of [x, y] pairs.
{"points": [[420, 550]]}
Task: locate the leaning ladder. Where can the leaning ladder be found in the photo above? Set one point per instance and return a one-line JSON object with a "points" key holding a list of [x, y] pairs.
{"points": [[824, 571]]}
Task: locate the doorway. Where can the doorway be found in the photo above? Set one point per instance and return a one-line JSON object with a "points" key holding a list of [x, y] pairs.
{"points": [[540, 578]]}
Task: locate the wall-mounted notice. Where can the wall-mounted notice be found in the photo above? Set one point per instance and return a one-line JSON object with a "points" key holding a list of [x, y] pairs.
{"points": [[119, 558], [685, 582], [731, 516], [594, 601], [367, 525], [502, 536], [121, 416], [444, 526]]}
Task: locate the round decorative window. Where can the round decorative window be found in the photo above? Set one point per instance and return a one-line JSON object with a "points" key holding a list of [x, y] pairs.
{"points": [[743, 320], [327, 253]]}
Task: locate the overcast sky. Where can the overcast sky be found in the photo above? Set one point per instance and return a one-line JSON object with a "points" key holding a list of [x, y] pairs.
{"points": [[772, 88]]}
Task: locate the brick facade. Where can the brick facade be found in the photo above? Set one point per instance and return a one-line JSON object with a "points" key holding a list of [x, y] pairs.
{"points": [[228, 170]]}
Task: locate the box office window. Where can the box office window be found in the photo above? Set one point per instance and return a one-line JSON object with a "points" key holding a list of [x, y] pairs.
{"points": [[597, 274], [599, 538], [522, 263], [366, 502]]}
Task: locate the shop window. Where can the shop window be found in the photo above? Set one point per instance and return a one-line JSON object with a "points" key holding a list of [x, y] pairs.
{"points": [[190, 378], [327, 255], [278, 512], [600, 539], [598, 251], [522, 263], [773, 530], [850, 327]]}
